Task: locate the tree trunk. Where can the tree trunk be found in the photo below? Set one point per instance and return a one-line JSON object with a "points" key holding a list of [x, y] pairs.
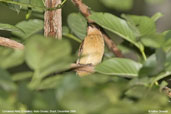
{"points": [[53, 20]]}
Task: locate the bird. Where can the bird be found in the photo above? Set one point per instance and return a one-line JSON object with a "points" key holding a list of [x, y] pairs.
{"points": [[91, 51]]}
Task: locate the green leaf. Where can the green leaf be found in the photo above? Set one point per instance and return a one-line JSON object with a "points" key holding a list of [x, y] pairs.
{"points": [[37, 3], [137, 91], [65, 30], [160, 76], [22, 76], [117, 26], [9, 27], [24, 94], [45, 100], [163, 85], [118, 4], [156, 16], [168, 61], [77, 95], [167, 41], [145, 30], [10, 57], [144, 24], [46, 56], [77, 24], [6, 81], [17, 5], [154, 64], [119, 67], [14, 7], [153, 40], [41, 52], [145, 81], [51, 82], [68, 83], [29, 27], [160, 57], [23, 1], [56, 81], [167, 35]]}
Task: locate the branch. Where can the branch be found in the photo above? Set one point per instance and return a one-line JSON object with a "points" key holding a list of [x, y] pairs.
{"points": [[83, 9], [53, 20], [112, 46], [86, 13], [10, 43], [83, 69], [76, 67]]}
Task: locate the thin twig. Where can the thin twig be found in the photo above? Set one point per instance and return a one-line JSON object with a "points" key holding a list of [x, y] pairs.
{"points": [[83, 9], [10, 43], [53, 20], [86, 13], [112, 46]]}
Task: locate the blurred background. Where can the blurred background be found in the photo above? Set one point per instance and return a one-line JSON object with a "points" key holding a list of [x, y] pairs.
{"points": [[97, 94]]}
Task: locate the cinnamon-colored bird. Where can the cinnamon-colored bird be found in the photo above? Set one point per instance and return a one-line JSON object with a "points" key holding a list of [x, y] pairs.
{"points": [[91, 50]]}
